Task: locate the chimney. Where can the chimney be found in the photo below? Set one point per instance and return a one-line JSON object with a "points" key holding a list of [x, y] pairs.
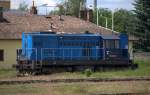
{"points": [[1, 13], [90, 15], [83, 14], [82, 9], [87, 15], [33, 9]]}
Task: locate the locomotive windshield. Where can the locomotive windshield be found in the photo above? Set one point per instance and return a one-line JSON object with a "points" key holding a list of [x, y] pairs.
{"points": [[111, 44]]}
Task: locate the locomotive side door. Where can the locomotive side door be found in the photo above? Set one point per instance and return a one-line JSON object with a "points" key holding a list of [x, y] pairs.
{"points": [[112, 51], [87, 48], [87, 52]]}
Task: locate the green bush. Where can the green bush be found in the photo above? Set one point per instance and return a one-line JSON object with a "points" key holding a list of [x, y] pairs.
{"points": [[88, 72]]}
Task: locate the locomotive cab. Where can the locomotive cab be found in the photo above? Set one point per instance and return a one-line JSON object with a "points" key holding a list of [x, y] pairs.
{"points": [[116, 48]]}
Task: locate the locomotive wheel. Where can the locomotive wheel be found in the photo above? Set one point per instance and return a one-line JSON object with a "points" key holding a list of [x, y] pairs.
{"points": [[70, 69], [83, 68]]}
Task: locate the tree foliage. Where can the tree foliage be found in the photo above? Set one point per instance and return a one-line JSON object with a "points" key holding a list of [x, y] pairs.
{"points": [[142, 30], [123, 19], [70, 7], [103, 14], [23, 6], [73, 7]]}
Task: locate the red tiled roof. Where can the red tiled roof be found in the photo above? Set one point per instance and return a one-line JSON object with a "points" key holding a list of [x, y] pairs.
{"points": [[24, 22]]}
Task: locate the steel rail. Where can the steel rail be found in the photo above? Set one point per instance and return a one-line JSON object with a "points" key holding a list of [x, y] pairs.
{"points": [[12, 82]]}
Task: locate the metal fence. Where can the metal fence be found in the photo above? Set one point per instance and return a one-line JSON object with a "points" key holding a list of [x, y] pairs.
{"points": [[142, 56]]}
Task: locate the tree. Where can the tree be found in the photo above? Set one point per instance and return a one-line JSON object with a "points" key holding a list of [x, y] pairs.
{"points": [[142, 11], [123, 21], [71, 7], [23, 6], [103, 13], [61, 10]]}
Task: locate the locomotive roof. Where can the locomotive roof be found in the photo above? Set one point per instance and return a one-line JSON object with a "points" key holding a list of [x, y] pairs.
{"points": [[107, 37], [52, 34], [110, 37]]}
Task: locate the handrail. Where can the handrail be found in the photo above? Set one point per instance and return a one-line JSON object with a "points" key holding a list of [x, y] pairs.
{"points": [[62, 53]]}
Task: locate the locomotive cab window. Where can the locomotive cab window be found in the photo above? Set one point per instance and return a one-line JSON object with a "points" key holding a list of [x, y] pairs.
{"points": [[1, 55], [111, 44]]}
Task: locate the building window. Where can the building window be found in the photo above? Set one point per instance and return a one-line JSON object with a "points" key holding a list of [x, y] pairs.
{"points": [[1, 55]]}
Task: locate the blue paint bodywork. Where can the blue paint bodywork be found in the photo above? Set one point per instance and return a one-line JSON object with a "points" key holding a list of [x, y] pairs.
{"points": [[123, 41], [41, 46]]}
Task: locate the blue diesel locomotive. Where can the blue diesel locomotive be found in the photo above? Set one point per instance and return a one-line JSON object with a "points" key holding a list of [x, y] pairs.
{"points": [[42, 51]]}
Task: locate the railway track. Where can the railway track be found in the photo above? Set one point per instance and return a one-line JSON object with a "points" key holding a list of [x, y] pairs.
{"points": [[123, 94], [12, 82]]}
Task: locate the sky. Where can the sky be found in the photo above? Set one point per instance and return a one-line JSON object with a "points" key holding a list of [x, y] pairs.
{"points": [[114, 4], [110, 4]]}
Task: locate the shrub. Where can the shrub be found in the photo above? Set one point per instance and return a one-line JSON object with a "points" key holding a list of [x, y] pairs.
{"points": [[88, 72]]}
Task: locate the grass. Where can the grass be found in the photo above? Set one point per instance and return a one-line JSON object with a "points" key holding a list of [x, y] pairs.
{"points": [[70, 89], [82, 88], [143, 70], [102, 88], [19, 90], [77, 88], [7, 73]]}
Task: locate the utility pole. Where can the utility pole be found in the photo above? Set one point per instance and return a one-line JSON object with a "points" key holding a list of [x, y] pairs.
{"points": [[106, 22], [84, 4], [66, 7], [112, 21], [97, 17], [97, 13], [95, 4]]}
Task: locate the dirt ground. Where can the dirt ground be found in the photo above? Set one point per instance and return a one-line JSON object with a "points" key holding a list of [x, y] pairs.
{"points": [[85, 88]]}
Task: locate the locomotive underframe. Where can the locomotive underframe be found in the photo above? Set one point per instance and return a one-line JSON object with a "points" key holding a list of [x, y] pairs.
{"points": [[24, 66]]}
